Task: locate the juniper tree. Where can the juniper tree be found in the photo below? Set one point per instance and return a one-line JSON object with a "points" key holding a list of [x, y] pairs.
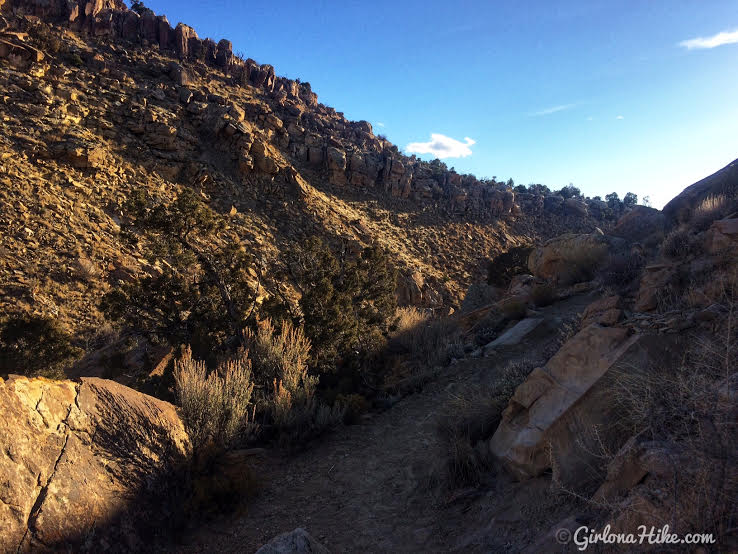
{"points": [[346, 300], [201, 294]]}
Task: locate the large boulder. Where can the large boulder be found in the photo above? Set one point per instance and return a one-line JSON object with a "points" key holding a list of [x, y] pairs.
{"points": [[89, 462], [558, 257], [563, 414], [639, 224], [723, 182], [605, 311], [723, 236], [264, 159]]}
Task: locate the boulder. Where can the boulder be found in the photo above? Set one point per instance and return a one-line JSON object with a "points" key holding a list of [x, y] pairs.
{"points": [[183, 37], [723, 182], [79, 153], [656, 278], [293, 542], [336, 159], [558, 256], [635, 459], [85, 461], [723, 236], [180, 75], [410, 289], [639, 224], [576, 207], [521, 285], [263, 159], [563, 413], [605, 311], [19, 54], [224, 52]]}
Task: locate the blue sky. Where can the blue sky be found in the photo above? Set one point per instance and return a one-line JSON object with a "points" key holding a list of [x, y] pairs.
{"points": [[607, 95]]}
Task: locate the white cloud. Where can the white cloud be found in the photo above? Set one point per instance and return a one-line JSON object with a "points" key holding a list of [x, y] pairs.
{"points": [[590, 118], [620, 117], [380, 124], [553, 109], [725, 37], [442, 146]]}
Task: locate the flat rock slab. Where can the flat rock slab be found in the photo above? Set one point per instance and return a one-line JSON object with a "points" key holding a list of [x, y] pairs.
{"points": [[558, 418], [516, 334]]}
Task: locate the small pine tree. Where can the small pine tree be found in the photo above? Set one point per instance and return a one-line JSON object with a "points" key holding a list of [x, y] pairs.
{"points": [[202, 295], [345, 301]]}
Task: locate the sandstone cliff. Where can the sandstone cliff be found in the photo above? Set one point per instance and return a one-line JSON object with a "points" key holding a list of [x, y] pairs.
{"points": [[98, 101]]}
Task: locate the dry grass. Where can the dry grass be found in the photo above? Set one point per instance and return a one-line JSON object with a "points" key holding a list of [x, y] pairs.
{"points": [[469, 418], [711, 208], [428, 341], [214, 407], [691, 410], [281, 356], [679, 244], [281, 362]]}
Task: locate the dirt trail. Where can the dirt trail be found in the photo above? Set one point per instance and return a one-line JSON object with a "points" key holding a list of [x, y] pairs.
{"points": [[366, 488]]}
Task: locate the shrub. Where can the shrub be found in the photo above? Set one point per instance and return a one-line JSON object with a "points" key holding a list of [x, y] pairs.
{"points": [[507, 265], [543, 295], [75, 60], [282, 356], [35, 345], [281, 364], [680, 243], [681, 409], [214, 406], [427, 341], [621, 270], [203, 296], [45, 38], [346, 301], [353, 407], [471, 417]]}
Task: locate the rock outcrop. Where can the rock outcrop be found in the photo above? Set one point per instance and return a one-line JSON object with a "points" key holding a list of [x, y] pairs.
{"points": [[720, 183], [639, 224], [347, 151], [556, 258], [557, 417], [86, 464]]}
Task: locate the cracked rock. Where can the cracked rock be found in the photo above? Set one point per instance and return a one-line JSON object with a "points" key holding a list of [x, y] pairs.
{"points": [[83, 459]]}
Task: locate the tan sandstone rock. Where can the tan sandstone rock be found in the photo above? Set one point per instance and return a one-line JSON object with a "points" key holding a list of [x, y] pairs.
{"points": [[557, 256], [551, 419], [83, 461], [655, 278], [640, 223], [605, 311]]}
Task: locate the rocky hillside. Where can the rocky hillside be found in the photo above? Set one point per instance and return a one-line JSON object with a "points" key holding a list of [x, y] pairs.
{"points": [[98, 101], [588, 379]]}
